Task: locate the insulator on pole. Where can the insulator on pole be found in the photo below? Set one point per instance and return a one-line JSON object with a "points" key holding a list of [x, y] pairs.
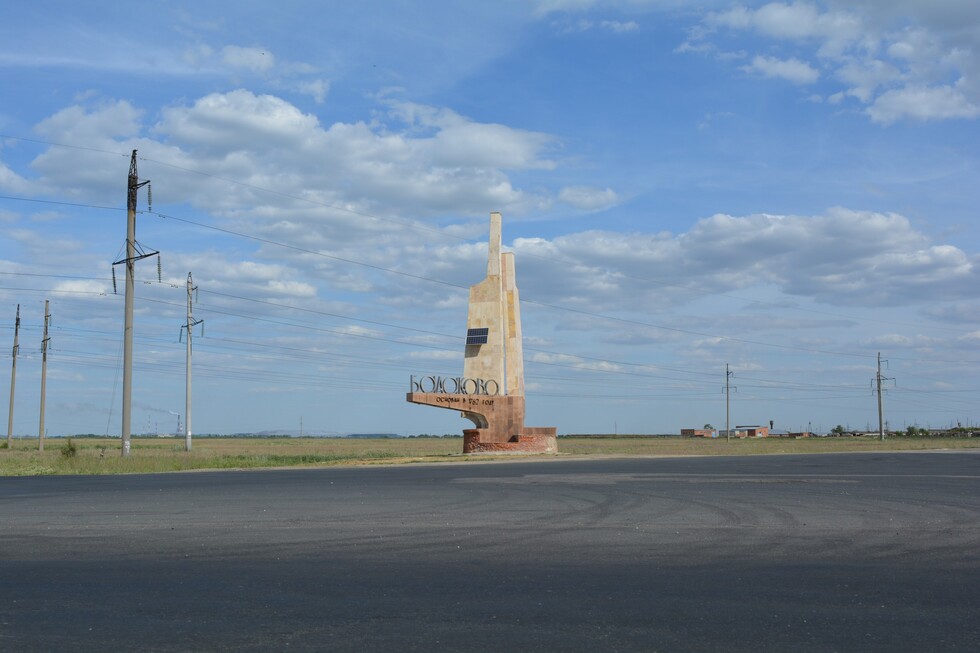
{"points": [[114, 280], [149, 197], [159, 269]]}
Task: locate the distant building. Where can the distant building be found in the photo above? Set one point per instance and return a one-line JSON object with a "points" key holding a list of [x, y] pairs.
{"points": [[777, 433], [745, 431], [699, 433]]}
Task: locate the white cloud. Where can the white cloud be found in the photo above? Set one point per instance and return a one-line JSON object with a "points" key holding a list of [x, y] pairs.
{"points": [[580, 25], [235, 121], [901, 341], [587, 198], [82, 286], [967, 313], [619, 27], [288, 288], [792, 70], [326, 181], [11, 182], [418, 160], [973, 337], [118, 119], [256, 60], [317, 89], [544, 7], [904, 60], [844, 257], [865, 78], [936, 103], [458, 141]]}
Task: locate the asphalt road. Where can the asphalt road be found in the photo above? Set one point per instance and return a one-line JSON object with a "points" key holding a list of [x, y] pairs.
{"points": [[864, 552]]}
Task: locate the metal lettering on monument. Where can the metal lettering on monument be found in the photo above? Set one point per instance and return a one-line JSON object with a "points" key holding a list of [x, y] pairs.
{"points": [[454, 385]]}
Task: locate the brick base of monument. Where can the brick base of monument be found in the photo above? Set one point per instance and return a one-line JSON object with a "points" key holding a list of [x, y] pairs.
{"points": [[499, 421], [533, 440]]}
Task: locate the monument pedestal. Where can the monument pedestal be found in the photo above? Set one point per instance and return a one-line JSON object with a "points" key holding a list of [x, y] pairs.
{"points": [[535, 439], [499, 422]]}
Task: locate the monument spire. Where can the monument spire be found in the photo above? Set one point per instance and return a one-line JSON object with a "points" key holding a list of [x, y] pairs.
{"points": [[493, 256]]}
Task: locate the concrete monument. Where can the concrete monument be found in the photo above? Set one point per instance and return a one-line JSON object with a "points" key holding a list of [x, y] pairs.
{"points": [[490, 393]]}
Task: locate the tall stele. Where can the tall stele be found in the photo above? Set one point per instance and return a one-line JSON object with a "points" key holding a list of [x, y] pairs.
{"points": [[491, 391]]}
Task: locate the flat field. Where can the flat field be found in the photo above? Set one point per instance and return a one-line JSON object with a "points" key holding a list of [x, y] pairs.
{"points": [[102, 455]]}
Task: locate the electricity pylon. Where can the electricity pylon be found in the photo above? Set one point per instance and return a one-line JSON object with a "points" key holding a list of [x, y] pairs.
{"points": [[133, 253], [13, 380], [44, 373], [189, 326], [881, 415]]}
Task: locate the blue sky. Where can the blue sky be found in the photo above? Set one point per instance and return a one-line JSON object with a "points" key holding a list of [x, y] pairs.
{"points": [[785, 188]]}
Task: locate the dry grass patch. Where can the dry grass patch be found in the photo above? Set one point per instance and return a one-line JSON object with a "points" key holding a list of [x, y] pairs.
{"points": [[102, 455], [676, 446]]}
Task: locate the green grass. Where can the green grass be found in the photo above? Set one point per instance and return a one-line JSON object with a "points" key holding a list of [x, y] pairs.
{"points": [[102, 455]]}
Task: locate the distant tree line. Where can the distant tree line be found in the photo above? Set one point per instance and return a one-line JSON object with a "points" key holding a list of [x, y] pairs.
{"points": [[914, 432]]}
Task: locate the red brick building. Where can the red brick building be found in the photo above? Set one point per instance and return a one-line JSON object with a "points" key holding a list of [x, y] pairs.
{"points": [[698, 433]]}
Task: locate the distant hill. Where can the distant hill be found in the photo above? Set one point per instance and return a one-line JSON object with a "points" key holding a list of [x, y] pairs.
{"points": [[295, 433], [373, 435]]}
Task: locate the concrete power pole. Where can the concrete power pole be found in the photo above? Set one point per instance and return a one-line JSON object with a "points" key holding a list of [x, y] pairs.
{"points": [[191, 323], [13, 380], [728, 423], [881, 421], [44, 373], [133, 253]]}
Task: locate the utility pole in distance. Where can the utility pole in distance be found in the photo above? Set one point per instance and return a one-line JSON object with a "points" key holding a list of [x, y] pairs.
{"points": [[13, 379], [133, 253], [878, 379], [191, 323], [44, 373], [728, 388]]}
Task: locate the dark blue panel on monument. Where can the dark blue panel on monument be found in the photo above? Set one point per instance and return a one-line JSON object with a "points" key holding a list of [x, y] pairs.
{"points": [[477, 336]]}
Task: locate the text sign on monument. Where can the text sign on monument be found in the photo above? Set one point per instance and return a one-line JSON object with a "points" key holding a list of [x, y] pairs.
{"points": [[454, 385]]}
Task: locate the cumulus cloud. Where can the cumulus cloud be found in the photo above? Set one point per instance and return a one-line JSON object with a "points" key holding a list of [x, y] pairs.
{"points": [[112, 120], [235, 121], [843, 258], [799, 20], [12, 182], [459, 141], [544, 7], [958, 313], [253, 59], [353, 191], [792, 70], [334, 186], [584, 25], [902, 60], [922, 103], [317, 89], [411, 157], [81, 286], [894, 341], [587, 198], [619, 26]]}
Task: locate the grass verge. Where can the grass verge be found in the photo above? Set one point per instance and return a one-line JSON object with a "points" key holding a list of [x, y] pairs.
{"points": [[102, 455]]}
